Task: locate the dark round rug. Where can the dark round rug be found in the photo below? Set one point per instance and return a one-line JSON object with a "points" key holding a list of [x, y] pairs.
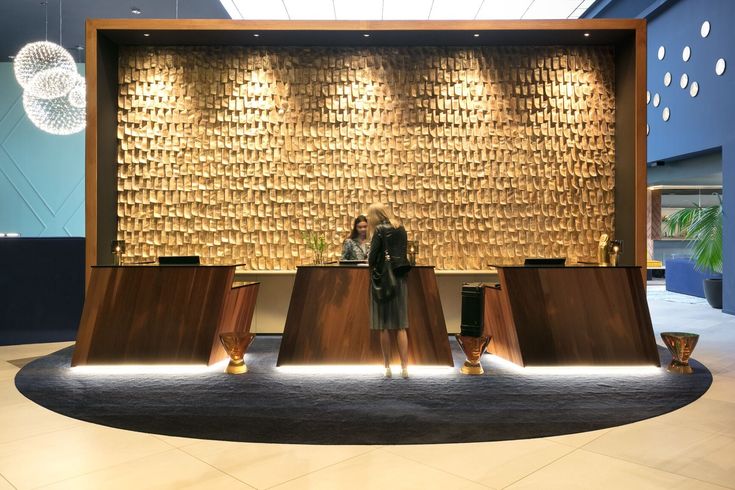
{"points": [[269, 404]]}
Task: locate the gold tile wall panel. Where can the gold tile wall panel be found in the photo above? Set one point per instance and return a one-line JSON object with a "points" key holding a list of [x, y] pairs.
{"points": [[488, 154]]}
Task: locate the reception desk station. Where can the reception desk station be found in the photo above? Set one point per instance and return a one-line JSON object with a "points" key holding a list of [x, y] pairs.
{"points": [[328, 319], [562, 316], [161, 314]]}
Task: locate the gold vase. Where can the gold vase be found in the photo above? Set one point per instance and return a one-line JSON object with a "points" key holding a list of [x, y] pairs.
{"points": [[680, 345], [236, 344], [473, 348]]}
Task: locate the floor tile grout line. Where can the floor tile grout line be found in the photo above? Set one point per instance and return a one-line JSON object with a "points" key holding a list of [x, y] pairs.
{"points": [[388, 448], [372, 449], [8, 481], [219, 470], [573, 450], [104, 468], [76, 424], [644, 465]]}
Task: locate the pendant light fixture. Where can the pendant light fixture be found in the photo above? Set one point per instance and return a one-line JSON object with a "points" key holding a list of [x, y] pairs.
{"points": [[54, 94]]}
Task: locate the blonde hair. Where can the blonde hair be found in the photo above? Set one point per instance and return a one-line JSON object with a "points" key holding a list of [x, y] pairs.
{"points": [[378, 213]]}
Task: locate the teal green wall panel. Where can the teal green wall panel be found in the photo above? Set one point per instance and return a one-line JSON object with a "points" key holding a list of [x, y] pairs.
{"points": [[41, 175]]}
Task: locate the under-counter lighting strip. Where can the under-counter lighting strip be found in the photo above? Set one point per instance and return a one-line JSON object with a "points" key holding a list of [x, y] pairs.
{"points": [[578, 370], [129, 369], [364, 369]]}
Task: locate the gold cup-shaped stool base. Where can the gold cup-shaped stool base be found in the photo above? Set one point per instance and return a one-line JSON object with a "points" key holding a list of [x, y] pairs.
{"points": [[236, 344], [680, 345], [473, 348]]}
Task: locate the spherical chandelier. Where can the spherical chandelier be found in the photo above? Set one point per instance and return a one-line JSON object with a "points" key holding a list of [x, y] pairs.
{"points": [[54, 94], [55, 116], [39, 61], [78, 94]]}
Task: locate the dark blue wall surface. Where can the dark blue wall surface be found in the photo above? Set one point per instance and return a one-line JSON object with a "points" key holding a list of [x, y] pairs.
{"points": [[697, 123]]}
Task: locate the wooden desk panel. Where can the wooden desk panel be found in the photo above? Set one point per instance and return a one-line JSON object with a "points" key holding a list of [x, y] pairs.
{"points": [[164, 315], [570, 316], [328, 319]]}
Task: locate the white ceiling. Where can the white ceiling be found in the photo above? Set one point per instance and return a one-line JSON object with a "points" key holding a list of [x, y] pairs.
{"points": [[404, 9]]}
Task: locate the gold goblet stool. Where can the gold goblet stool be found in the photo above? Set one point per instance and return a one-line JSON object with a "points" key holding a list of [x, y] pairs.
{"points": [[236, 344], [473, 348], [680, 345]]}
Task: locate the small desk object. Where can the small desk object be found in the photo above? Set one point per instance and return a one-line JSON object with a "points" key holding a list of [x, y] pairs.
{"points": [[328, 319], [575, 315], [161, 314]]}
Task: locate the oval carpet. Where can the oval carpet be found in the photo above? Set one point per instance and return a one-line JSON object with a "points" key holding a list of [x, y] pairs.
{"points": [[269, 404]]}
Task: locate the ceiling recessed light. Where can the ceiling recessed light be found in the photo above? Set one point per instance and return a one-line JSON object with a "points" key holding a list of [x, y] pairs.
{"points": [[256, 35], [12, 57], [586, 34], [145, 34], [476, 35], [136, 11], [79, 47], [366, 35]]}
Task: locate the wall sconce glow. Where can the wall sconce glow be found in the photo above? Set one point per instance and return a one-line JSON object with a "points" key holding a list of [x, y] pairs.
{"points": [[686, 53], [704, 30], [694, 89], [661, 52], [684, 80], [667, 78], [586, 34], [366, 35], [648, 97], [256, 35], [656, 100], [666, 114], [145, 34], [720, 67], [648, 130], [476, 34]]}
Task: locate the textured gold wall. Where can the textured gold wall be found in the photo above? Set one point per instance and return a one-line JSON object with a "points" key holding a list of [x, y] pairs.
{"points": [[488, 154]]}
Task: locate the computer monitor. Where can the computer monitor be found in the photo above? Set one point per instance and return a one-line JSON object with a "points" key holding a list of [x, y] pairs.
{"points": [[179, 260], [545, 261]]}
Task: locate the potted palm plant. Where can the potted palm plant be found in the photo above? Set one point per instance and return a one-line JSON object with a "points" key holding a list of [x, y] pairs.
{"points": [[703, 226]]}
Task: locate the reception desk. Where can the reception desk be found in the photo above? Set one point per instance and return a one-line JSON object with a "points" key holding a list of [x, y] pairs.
{"points": [[583, 315], [161, 314], [328, 319]]}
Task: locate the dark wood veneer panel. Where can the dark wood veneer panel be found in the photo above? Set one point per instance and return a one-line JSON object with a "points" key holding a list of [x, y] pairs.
{"points": [[161, 314], [328, 319]]}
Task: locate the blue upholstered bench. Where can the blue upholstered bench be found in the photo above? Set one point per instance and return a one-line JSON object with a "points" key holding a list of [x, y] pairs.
{"points": [[682, 277]]}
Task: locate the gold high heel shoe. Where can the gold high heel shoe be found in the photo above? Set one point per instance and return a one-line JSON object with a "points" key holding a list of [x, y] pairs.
{"points": [[404, 373], [387, 373]]}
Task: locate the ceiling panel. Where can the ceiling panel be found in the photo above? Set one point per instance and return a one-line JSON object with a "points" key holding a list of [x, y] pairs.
{"points": [[358, 9], [503, 9], [455, 9], [309, 9], [407, 10], [256, 9]]}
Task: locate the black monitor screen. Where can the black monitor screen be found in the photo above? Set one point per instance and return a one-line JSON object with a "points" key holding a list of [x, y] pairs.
{"points": [[179, 260], [545, 261]]}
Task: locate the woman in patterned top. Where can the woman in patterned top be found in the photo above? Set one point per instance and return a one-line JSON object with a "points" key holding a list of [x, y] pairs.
{"points": [[356, 246]]}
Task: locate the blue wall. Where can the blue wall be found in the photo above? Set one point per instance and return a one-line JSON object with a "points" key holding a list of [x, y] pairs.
{"points": [[41, 175], [697, 123]]}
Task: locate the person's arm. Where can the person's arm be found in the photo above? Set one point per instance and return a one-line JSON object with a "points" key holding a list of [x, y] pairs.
{"points": [[376, 248], [347, 250]]}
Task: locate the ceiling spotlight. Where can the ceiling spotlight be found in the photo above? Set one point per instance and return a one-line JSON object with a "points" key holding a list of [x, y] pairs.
{"points": [[256, 35], [366, 35], [586, 34], [11, 57], [476, 34], [145, 34], [79, 47], [136, 11]]}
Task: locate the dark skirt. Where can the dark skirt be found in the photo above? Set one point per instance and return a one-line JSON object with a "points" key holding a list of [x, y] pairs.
{"points": [[393, 314]]}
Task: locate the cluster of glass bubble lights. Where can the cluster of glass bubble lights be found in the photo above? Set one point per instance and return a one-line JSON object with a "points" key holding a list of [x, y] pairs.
{"points": [[54, 93]]}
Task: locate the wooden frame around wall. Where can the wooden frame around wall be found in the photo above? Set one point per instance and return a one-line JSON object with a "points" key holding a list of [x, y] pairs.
{"points": [[103, 36]]}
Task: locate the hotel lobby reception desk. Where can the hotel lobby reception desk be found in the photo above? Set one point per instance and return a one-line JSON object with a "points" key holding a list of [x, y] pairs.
{"points": [[328, 319], [161, 314], [558, 316]]}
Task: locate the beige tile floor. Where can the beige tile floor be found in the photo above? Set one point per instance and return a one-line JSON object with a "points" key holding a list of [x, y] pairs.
{"points": [[691, 448]]}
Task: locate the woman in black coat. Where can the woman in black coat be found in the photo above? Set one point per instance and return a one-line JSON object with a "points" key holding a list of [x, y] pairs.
{"points": [[389, 238]]}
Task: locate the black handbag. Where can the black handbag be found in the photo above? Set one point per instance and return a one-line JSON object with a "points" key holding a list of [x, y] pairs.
{"points": [[383, 281]]}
